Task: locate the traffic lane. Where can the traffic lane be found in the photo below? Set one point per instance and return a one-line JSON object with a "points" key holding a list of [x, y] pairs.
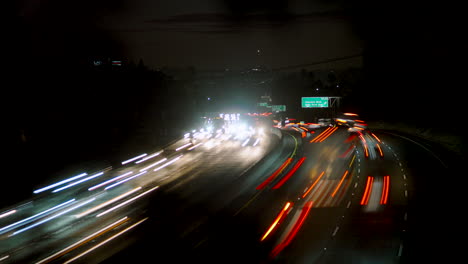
{"points": [[261, 212], [371, 225], [65, 194], [47, 237], [317, 197], [199, 227], [435, 199]]}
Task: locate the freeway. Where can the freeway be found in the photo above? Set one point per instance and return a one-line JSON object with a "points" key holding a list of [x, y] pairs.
{"points": [[288, 195]]}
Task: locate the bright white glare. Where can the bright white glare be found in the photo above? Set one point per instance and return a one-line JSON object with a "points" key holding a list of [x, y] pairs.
{"points": [[126, 202], [67, 249], [149, 157], [125, 180], [107, 203], [168, 163], [4, 257], [52, 217], [245, 142], [78, 182], [34, 216], [109, 181], [194, 146], [184, 146], [7, 213], [135, 158], [105, 241], [186, 135], [152, 165], [60, 183]]}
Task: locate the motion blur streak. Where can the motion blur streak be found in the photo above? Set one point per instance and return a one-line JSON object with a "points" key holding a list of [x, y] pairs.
{"points": [[380, 150], [149, 157], [339, 184], [154, 164], [289, 174], [125, 180], [256, 142], [7, 213], [168, 163], [109, 181], [192, 147], [4, 257], [365, 197], [127, 202], [84, 240], [320, 135], [107, 203], [105, 241], [78, 182], [36, 215], [273, 176], [376, 137], [184, 146], [386, 185], [312, 186], [300, 221], [52, 217], [329, 134], [134, 158], [346, 153], [278, 218], [60, 183]]}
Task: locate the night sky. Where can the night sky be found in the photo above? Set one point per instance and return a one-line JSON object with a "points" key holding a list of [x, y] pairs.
{"points": [[408, 52], [207, 34]]}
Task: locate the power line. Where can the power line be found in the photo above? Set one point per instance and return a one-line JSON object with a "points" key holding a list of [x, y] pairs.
{"points": [[317, 62]]}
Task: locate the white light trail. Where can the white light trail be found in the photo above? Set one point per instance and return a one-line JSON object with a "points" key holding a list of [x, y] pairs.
{"points": [[245, 142], [7, 213], [105, 241], [109, 181], [184, 146], [195, 146], [149, 157], [126, 202], [67, 249], [154, 164], [168, 163], [134, 158], [60, 183], [78, 182], [4, 257], [125, 180], [256, 142], [52, 217], [107, 203], [34, 216]]}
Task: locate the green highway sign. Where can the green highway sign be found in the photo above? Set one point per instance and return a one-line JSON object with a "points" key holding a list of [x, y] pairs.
{"points": [[278, 108], [314, 102]]}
